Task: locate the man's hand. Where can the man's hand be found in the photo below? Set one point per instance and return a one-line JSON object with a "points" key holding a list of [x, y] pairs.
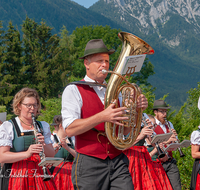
{"points": [[114, 115], [174, 132], [142, 102], [145, 131]]}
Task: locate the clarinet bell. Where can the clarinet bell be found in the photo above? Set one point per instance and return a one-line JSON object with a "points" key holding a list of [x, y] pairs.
{"points": [[161, 154], [180, 152], [46, 176]]}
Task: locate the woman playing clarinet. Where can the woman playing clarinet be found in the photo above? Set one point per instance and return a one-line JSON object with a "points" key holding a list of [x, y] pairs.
{"points": [[18, 150]]}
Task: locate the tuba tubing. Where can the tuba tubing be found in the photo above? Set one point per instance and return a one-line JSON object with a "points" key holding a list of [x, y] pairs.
{"points": [[131, 45]]}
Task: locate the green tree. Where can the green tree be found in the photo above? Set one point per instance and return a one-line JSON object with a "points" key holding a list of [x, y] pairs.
{"points": [[67, 57], [11, 78], [51, 107], [41, 50], [111, 40]]}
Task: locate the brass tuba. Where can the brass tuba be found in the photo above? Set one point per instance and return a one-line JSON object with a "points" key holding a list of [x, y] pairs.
{"points": [[131, 45]]}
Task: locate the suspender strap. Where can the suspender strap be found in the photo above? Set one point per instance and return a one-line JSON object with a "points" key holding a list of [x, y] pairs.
{"points": [[39, 124], [56, 138], [19, 134], [88, 83]]}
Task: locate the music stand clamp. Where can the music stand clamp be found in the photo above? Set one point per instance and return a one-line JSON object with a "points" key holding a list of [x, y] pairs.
{"points": [[161, 138]]}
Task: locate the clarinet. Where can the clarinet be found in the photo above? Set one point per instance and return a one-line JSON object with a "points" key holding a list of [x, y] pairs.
{"points": [[46, 177], [161, 154], [179, 149]]}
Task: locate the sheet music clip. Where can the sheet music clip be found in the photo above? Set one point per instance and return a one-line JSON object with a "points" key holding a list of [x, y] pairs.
{"points": [[172, 147], [161, 138], [185, 143]]}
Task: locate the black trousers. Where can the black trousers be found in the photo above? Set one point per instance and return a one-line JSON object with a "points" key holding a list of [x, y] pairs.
{"points": [[173, 174], [89, 173]]}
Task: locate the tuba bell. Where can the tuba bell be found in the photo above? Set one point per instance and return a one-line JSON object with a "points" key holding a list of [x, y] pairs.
{"points": [[129, 92]]}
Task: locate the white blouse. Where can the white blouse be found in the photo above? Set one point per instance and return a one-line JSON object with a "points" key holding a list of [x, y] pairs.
{"points": [[7, 134], [195, 137]]}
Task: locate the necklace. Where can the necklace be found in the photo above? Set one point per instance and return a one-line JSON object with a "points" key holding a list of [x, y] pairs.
{"points": [[26, 123]]}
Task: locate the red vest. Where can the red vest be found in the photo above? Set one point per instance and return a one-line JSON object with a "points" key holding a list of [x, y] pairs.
{"points": [[158, 130], [87, 143]]}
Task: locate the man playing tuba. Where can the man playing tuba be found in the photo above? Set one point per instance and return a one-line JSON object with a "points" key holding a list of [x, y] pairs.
{"points": [[98, 164]]}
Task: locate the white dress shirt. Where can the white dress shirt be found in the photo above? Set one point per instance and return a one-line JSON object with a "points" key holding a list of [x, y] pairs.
{"points": [[163, 125], [72, 102]]}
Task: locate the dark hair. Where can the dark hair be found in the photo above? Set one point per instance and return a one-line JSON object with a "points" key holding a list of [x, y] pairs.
{"points": [[58, 119]]}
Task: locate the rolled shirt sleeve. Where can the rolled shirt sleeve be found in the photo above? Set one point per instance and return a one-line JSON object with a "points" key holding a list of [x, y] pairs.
{"points": [[6, 134]]}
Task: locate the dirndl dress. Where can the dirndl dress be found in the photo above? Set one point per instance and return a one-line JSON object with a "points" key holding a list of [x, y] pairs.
{"points": [[24, 174], [146, 174], [62, 173]]}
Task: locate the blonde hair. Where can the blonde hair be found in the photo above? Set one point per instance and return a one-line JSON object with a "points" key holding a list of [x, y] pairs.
{"points": [[19, 97]]}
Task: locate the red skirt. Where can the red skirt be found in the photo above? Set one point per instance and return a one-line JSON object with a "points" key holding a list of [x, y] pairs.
{"points": [[198, 182], [142, 169], [63, 176], [27, 175], [160, 172]]}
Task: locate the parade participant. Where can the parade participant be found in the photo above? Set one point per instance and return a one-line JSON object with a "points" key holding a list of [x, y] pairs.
{"points": [[160, 110], [98, 164], [143, 171], [195, 151], [195, 141], [64, 149], [163, 178], [18, 150]]}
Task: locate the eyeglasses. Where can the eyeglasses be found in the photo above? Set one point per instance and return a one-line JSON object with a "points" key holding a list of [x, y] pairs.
{"points": [[163, 111], [29, 106]]}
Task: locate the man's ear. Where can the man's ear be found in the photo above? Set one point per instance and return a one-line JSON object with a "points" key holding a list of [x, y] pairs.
{"points": [[86, 63]]}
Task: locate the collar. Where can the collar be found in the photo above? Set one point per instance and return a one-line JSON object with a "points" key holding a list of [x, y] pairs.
{"points": [[88, 79], [158, 122]]}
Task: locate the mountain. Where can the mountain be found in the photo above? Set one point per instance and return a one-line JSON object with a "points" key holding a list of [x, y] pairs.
{"points": [[172, 28], [55, 13]]}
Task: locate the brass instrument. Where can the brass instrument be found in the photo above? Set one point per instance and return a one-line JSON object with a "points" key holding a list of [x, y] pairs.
{"points": [[46, 177], [161, 154], [131, 45], [179, 149]]}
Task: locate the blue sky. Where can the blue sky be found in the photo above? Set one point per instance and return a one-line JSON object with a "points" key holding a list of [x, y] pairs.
{"points": [[85, 3]]}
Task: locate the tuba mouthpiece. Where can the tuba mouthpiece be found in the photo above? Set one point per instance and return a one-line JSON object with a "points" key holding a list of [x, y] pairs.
{"points": [[104, 71]]}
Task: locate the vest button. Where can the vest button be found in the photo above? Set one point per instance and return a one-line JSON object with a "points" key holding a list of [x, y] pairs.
{"points": [[108, 143], [108, 152]]}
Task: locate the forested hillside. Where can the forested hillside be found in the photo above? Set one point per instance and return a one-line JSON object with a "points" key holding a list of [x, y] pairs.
{"points": [[47, 62], [173, 33], [56, 14], [172, 29]]}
